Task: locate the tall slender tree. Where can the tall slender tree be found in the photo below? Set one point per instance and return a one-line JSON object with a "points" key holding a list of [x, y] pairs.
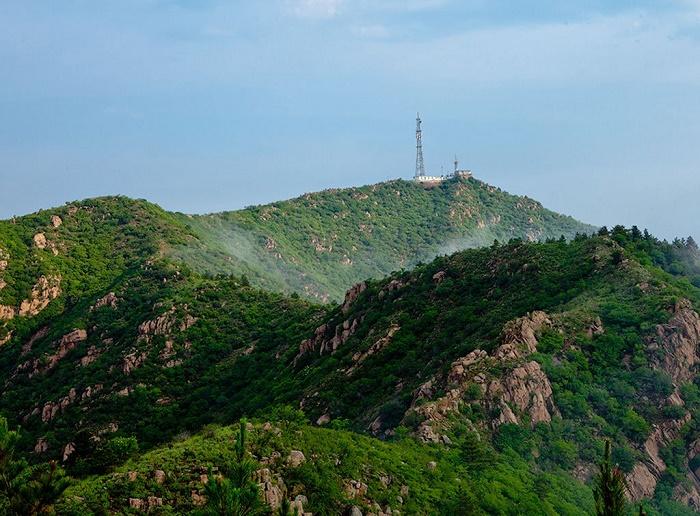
{"points": [[609, 488], [237, 495]]}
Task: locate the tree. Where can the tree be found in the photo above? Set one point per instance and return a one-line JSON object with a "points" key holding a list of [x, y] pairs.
{"points": [[473, 451], [609, 488], [691, 244], [46, 484], [24, 489], [237, 495]]}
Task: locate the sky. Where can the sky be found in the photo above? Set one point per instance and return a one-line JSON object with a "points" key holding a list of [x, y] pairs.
{"points": [[591, 107]]}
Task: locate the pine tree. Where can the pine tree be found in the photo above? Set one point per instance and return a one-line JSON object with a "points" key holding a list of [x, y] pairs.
{"points": [[24, 489], [691, 244], [473, 451], [609, 488], [237, 495]]}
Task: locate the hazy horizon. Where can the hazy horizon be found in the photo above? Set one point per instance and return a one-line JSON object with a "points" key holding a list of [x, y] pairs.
{"points": [[204, 106]]}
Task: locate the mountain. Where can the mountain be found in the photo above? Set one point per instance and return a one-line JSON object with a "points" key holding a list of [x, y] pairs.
{"points": [[494, 375], [322, 243]]}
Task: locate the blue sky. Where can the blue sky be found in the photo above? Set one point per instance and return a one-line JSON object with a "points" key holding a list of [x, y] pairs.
{"points": [[592, 107]]}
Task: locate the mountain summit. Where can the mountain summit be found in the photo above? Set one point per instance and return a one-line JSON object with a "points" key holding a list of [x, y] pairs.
{"points": [[321, 243]]}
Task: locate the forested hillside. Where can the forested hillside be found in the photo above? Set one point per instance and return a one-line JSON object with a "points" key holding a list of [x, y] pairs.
{"points": [[322, 243], [494, 375]]}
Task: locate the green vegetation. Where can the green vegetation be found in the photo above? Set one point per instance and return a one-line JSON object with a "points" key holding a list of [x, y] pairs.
{"points": [[398, 474], [609, 488], [145, 351], [25, 489], [322, 243]]}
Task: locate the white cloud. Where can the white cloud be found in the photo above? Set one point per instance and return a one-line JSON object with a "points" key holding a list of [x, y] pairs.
{"points": [[376, 31], [317, 9]]}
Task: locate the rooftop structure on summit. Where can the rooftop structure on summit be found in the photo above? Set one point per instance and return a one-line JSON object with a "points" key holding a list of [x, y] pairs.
{"points": [[420, 174]]}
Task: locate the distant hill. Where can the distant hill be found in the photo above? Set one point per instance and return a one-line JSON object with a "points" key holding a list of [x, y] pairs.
{"points": [[322, 243]]}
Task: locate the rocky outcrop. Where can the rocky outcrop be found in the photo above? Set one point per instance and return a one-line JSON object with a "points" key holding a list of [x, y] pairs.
{"points": [[522, 392], [6, 313], [327, 339], [108, 300], [165, 324], [46, 289], [6, 338], [675, 350], [351, 295], [64, 346], [92, 354], [40, 334], [355, 489], [68, 450], [272, 488], [40, 241], [56, 221], [4, 259], [642, 480], [51, 409], [375, 348], [527, 389], [295, 458], [519, 336], [41, 445], [133, 361], [439, 276], [679, 340]]}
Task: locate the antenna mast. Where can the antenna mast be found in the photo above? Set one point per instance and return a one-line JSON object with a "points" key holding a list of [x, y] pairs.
{"points": [[420, 167]]}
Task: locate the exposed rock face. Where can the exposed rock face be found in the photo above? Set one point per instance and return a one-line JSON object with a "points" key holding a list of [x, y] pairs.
{"points": [[295, 458], [46, 289], [67, 344], [4, 259], [68, 451], [642, 480], [133, 361], [526, 388], [51, 409], [108, 300], [439, 276], [27, 346], [523, 390], [355, 489], [519, 336], [351, 295], [41, 445], [56, 221], [596, 328], [6, 313], [272, 491], [379, 345], [92, 354], [327, 339], [40, 241], [679, 339], [165, 324]]}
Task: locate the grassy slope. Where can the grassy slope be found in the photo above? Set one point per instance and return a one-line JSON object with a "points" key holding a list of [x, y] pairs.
{"points": [[321, 243], [504, 486]]}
